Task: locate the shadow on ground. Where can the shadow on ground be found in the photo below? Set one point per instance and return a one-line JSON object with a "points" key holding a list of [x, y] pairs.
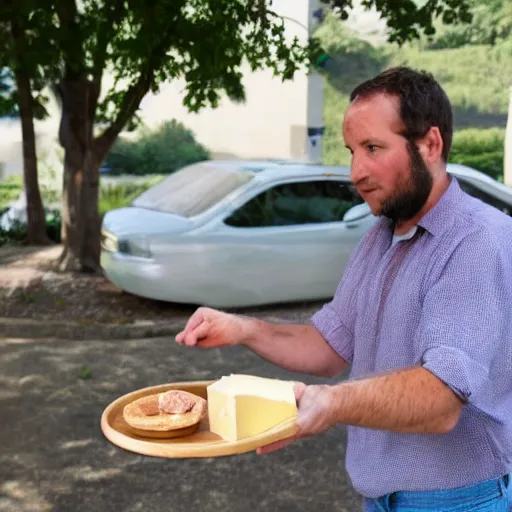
{"points": [[54, 456]]}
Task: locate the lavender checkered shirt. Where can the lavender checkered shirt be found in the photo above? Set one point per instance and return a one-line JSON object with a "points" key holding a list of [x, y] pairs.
{"points": [[442, 299]]}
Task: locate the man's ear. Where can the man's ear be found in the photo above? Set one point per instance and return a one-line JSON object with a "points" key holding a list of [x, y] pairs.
{"points": [[430, 145]]}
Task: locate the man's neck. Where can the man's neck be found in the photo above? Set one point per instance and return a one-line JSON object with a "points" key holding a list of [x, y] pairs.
{"points": [[438, 189]]}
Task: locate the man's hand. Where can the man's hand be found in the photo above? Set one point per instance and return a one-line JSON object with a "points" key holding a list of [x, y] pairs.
{"points": [[211, 328], [412, 400], [294, 347], [315, 414]]}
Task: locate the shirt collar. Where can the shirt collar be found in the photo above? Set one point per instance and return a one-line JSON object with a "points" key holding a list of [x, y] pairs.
{"points": [[440, 216]]}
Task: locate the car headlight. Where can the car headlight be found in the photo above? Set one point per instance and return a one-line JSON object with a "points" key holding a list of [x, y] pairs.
{"points": [[108, 241], [136, 247]]}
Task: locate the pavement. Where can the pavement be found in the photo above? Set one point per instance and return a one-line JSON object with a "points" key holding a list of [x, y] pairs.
{"points": [[79, 331], [54, 457], [89, 330]]}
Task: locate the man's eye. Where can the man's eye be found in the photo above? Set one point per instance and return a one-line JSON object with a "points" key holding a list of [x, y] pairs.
{"points": [[372, 148]]}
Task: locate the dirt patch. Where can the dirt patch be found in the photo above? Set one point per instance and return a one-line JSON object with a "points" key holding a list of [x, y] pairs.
{"points": [[30, 288], [50, 295]]}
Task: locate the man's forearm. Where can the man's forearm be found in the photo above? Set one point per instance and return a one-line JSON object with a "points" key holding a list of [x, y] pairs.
{"points": [[412, 400], [297, 348]]}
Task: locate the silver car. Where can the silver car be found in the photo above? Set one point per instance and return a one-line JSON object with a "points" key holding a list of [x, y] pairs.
{"points": [[247, 233]]}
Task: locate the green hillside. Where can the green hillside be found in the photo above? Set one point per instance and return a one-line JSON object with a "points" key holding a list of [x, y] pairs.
{"points": [[476, 78]]}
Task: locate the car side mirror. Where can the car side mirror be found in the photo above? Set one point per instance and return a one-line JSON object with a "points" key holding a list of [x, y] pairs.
{"points": [[357, 212]]}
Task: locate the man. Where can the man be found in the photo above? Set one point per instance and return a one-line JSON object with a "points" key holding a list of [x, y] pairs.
{"points": [[422, 315]]}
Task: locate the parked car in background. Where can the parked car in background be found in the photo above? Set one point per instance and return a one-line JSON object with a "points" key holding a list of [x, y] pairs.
{"points": [[246, 233]]}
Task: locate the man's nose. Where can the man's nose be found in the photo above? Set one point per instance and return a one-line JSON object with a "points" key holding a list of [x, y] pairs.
{"points": [[358, 172]]}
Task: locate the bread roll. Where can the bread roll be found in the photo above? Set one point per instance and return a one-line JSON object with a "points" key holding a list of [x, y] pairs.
{"points": [[146, 413]]}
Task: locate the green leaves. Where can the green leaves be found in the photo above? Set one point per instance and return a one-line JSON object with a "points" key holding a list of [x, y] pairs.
{"points": [[206, 43], [491, 22], [409, 19]]}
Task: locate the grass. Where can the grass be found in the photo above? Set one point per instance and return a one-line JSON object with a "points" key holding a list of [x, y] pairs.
{"points": [[112, 195], [334, 150], [85, 372]]}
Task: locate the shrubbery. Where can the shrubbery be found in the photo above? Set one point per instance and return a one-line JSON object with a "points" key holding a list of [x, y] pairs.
{"points": [[112, 196], [10, 190], [18, 231], [160, 151], [482, 149]]}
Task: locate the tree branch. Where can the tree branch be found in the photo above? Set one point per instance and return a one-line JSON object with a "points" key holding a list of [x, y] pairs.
{"points": [[133, 96], [129, 106], [72, 44], [113, 15]]}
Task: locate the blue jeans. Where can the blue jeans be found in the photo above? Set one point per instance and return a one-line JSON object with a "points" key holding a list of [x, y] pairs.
{"points": [[489, 496]]}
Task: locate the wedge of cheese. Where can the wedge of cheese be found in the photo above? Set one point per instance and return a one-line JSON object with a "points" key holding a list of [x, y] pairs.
{"points": [[241, 406]]}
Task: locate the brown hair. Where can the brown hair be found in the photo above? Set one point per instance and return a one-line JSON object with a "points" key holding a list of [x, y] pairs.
{"points": [[423, 102]]}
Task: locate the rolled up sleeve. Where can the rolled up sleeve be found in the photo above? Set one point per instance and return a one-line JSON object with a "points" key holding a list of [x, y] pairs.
{"points": [[329, 324], [465, 322]]}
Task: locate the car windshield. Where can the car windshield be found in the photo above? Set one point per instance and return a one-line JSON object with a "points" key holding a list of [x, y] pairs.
{"points": [[193, 189]]}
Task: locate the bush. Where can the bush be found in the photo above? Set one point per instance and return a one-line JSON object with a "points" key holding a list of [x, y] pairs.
{"points": [[53, 225], [119, 195], [18, 232], [10, 190], [161, 151], [112, 196], [15, 235], [482, 149]]}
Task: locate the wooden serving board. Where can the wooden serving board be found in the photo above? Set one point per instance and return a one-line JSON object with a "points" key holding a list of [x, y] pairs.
{"points": [[196, 442]]}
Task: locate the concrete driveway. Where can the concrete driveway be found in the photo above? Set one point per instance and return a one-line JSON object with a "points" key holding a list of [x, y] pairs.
{"points": [[54, 457]]}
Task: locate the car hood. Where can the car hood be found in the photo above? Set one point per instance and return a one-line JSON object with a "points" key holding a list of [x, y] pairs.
{"points": [[141, 221]]}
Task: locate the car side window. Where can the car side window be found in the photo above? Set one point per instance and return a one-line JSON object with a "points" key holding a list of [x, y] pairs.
{"points": [[297, 203], [474, 191]]}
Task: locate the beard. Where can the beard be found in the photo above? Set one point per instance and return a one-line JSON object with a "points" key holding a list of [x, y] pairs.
{"points": [[413, 193]]}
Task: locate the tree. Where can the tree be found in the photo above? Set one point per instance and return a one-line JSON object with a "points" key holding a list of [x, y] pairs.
{"points": [[17, 80], [492, 23], [410, 19], [143, 44]]}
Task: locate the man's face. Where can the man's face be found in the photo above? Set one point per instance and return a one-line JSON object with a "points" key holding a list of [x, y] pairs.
{"points": [[388, 171]]}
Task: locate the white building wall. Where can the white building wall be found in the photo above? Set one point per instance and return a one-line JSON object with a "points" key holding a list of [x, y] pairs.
{"points": [[272, 123], [274, 119]]}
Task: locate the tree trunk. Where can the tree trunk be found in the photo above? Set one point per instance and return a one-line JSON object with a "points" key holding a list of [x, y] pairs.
{"points": [[90, 252], [80, 217], [81, 222], [36, 219]]}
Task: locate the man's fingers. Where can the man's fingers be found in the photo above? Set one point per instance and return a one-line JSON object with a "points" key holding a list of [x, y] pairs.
{"points": [[194, 321], [187, 335], [194, 337], [190, 334], [272, 447], [199, 332], [299, 388]]}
